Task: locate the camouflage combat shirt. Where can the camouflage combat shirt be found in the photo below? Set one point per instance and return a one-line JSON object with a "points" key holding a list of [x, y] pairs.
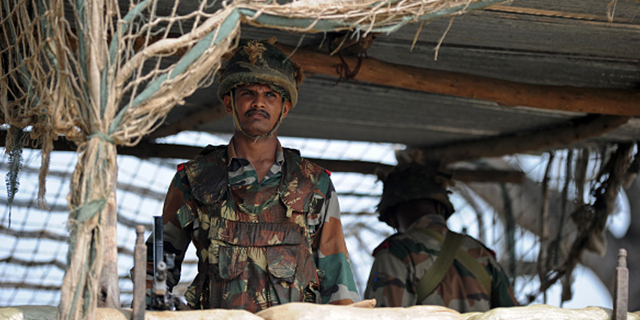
{"points": [[257, 244], [402, 259]]}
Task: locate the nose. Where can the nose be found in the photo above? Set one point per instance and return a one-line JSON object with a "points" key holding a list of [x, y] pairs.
{"points": [[259, 102]]}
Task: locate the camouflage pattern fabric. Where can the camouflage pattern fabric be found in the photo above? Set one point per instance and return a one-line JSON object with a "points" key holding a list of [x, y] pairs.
{"points": [[402, 259], [258, 243]]}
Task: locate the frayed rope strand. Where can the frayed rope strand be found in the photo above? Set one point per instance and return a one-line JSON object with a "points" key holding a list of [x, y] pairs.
{"points": [[16, 135]]}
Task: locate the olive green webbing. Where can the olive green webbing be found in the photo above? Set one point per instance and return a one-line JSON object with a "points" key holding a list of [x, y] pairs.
{"points": [[450, 250], [436, 273]]}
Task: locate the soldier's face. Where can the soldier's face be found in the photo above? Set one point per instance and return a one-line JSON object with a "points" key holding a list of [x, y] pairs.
{"points": [[258, 107]]}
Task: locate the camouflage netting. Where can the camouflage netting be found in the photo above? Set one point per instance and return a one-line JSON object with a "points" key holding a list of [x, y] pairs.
{"points": [[104, 74]]}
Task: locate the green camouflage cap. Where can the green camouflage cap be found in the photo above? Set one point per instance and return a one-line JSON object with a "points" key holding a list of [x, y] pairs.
{"points": [[261, 62], [413, 182]]}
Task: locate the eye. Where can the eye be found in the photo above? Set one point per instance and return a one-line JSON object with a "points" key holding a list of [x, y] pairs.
{"points": [[246, 93]]}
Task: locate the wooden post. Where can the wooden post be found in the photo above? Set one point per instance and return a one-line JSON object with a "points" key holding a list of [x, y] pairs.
{"points": [[621, 290], [109, 287], [139, 275]]}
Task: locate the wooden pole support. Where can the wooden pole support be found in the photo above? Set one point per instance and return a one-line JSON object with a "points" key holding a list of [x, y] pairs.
{"points": [[139, 275], [621, 290]]}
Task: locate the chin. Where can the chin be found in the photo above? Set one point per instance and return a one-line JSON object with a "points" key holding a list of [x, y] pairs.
{"points": [[255, 132]]}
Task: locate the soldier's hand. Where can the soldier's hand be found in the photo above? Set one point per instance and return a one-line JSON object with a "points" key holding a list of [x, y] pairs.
{"points": [[371, 303]]}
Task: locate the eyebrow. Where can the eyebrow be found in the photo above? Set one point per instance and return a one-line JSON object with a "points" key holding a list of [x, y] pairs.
{"points": [[245, 89]]}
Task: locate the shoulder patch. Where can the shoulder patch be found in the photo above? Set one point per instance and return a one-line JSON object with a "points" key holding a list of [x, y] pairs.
{"points": [[295, 151], [387, 243], [181, 167], [493, 253], [209, 148], [328, 172], [383, 246]]}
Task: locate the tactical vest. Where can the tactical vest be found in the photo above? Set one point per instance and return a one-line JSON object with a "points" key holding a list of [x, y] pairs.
{"points": [[254, 246]]}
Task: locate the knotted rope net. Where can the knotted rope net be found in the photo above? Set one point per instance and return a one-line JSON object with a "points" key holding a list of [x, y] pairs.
{"points": [[105, 73]]}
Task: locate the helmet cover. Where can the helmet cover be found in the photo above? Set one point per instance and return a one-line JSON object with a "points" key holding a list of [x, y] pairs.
{"points": [[261, 62], [413, 182]]}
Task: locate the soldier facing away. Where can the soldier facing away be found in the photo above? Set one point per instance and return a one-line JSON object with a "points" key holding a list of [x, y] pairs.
{"points": [[264, 221], [425, 263]]}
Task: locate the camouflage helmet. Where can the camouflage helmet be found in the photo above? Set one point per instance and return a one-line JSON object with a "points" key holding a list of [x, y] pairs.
{"points": [[413, 182], [261, 62]]}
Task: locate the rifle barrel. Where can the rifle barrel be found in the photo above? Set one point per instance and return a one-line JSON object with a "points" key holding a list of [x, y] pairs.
{"points": [[158, 246]]}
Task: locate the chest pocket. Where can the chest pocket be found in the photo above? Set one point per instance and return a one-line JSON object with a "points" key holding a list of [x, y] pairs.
{"points": [[289, 272], [282, 262], [232, 262], [264, 247]]}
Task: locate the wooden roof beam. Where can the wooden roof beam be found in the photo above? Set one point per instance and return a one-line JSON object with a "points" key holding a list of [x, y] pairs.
{"points": [[191, 121], [144, 150], [541, 139], [156, 150], [504, 93]]}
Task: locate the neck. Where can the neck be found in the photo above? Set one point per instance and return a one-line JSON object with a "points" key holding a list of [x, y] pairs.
{"points": [[262, 149]]}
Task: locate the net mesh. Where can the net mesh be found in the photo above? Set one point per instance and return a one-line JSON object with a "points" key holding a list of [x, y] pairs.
{"points": [[103, 74], [32, 261]]}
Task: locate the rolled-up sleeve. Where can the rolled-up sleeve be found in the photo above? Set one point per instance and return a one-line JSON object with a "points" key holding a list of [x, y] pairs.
{"points": [[330, 251]]}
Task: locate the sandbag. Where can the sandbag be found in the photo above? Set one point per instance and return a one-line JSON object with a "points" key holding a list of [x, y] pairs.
{"points": [[545, 312], [303, 311], [214, 314], [309, 311], [51, 313], [29, 313]]}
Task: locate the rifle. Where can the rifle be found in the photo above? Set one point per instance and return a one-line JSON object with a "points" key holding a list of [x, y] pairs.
{"points": [[161, 298]]}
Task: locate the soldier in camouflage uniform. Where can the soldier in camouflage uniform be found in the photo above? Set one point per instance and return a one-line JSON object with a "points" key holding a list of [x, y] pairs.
{"points": [[416, 203], [265, 222]]}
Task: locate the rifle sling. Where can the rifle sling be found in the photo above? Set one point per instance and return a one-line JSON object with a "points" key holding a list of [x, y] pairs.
{"points": [[450, 250]]}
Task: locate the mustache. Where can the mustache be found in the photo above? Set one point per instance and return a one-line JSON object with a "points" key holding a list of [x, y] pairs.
{"points": [[254, 111]]}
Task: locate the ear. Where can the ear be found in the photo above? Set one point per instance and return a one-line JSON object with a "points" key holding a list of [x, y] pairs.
{"points": [[287, 107], [227, 103]]}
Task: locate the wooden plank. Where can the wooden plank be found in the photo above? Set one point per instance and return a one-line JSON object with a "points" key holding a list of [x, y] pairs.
{"points": [[528, 33], [537, 67], [623, 9], [548, 13]]}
